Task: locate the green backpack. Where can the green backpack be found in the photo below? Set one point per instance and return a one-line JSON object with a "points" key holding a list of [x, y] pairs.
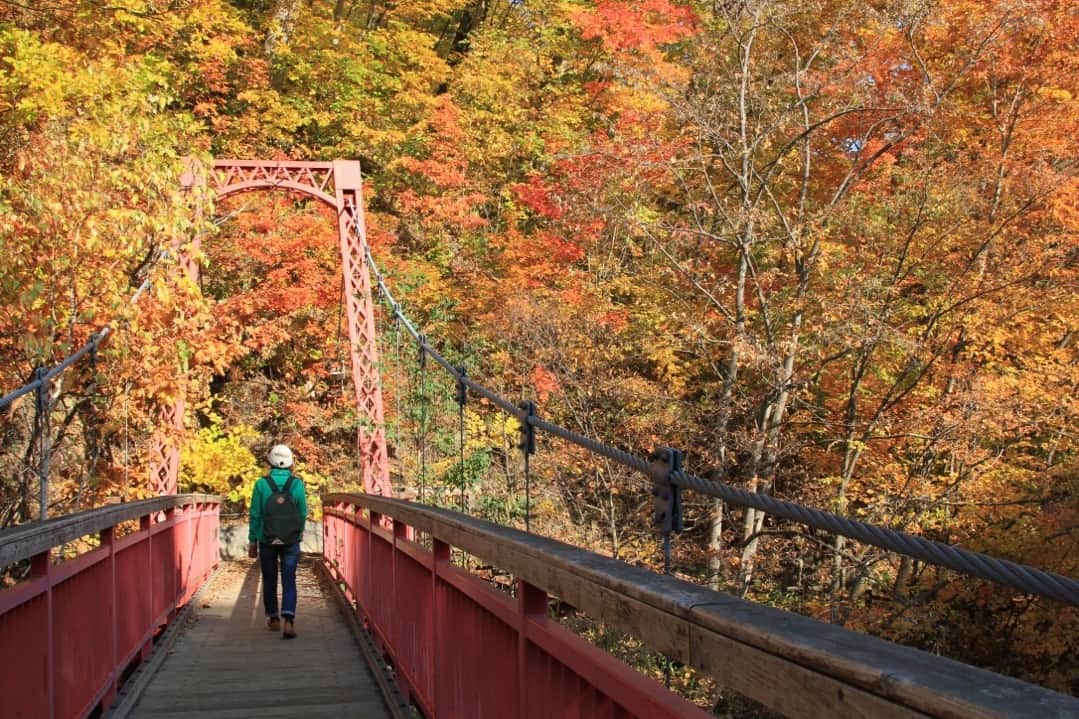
{"points": [[281, 520]]}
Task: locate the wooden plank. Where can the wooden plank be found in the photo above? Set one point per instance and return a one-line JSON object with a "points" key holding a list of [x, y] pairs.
{"points": [[288, 690], [325, 711], [790, 661], [396, 702], [797, 691], [227, 663], [26, 540], [136, 684]]}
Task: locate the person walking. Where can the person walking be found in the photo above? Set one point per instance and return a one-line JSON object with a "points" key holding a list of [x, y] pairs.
{"points": [[278, 513]]}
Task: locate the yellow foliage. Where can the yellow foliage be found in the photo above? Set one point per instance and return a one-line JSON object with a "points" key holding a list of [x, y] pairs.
{"points": [[218, 461], [489, 431]]}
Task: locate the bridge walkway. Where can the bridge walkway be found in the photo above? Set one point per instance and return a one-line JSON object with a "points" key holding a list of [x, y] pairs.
{"points": [[226, 664]]}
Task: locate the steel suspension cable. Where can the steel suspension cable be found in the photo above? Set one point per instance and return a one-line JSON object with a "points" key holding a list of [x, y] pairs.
{"points": [[1018, 576], [667, 572], [397, 377], [462, 397], [965, 561], [422, 431], [127, 429], [43, 405], [44, 376]]}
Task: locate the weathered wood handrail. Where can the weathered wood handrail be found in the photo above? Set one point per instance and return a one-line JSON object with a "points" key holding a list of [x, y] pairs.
{"points": [[792, 664], [26, 540], [70, 632]]}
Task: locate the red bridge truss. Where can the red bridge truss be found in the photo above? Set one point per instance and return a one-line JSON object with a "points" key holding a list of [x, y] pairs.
{"points": [[339, 185]]}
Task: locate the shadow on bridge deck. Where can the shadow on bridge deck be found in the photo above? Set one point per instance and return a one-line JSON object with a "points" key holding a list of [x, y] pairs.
{"points": [[226, 664]]}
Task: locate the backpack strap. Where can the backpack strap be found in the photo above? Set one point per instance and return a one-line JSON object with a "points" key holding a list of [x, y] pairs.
{"points": [[288, 483], [273, 485]]}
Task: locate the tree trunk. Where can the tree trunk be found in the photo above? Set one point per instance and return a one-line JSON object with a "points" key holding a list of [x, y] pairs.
{"points": [[716, 570], [281, 26], [902, 579], [754, 519]]}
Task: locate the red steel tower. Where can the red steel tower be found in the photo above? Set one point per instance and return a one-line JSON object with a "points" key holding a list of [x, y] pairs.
{"points": [[339, 185]]}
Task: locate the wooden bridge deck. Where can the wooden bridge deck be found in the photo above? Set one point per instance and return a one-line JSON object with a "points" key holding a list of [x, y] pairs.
{"points": [[226, 664]]}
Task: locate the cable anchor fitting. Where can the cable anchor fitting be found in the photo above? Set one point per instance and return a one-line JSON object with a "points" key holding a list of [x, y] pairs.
{"points": [[42, 394], [462, 388], [668, 503], [528, 430]]}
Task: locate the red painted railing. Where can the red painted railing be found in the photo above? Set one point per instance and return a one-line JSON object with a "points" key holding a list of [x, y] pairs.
{"points": [[70, 631], [461, 648]]}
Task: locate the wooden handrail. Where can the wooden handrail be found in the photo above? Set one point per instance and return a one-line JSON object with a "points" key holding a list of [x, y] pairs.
{"points": [[27, 540], [793, 664]]}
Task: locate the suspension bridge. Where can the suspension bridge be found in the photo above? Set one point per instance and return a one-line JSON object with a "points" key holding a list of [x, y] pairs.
{"points": [[151, 622]]}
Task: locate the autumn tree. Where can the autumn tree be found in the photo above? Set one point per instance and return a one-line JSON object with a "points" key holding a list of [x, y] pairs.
{"points": [[91, 205], [827, 248]]}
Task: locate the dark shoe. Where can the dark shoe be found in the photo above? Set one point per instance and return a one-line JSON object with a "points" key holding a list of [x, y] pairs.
{"points": [[290, 629], [274, 624]]}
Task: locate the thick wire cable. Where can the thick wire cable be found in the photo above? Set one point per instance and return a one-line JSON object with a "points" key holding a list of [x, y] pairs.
{"points": [[127, 429], [92, 344], [462, 396], [43, 406], [423, 422], [398, 432], [1027, 579]]}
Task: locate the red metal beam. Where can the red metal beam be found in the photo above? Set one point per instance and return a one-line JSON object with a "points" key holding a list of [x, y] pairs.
{"points": [[352, 234], [339, 185]]}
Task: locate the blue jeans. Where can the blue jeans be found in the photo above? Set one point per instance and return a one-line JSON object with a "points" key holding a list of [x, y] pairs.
{"points": [[268, 557]]}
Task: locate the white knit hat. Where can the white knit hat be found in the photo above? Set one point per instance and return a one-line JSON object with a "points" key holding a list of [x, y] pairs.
{"points": [[280, 456]]}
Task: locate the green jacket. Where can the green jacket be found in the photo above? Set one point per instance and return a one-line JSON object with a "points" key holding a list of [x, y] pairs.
{"points": [[262, 492]]}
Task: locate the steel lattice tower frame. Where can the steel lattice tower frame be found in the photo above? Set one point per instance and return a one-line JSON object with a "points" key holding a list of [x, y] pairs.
{"points": [[339, 185]]}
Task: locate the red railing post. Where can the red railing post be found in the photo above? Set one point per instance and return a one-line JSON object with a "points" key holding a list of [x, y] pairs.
{"points": [[145, 525], [394, 624], [440, 552], [325, 532], [352, 554], [373, 520], [531, 601], [172, 590], [108, 540], [40, 567]]}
